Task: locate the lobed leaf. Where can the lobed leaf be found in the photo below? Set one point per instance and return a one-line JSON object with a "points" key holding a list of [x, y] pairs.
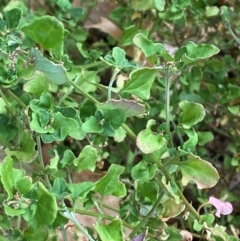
{"points": [[147, 46], [112, 231], [110, 184], [140, 82], [199, 171]]}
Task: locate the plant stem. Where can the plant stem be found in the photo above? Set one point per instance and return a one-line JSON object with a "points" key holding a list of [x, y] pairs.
{"points": [[86, 66], [167, 99], [5, 143], [232, 33], [16, 99], [170, 178], [10, 108], [145, 219], [64, 235], [116, 71], [39, 148], [72, 217], [84, 93], [69, 90]]}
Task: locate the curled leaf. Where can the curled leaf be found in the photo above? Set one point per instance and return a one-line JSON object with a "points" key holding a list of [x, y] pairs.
{"points": [[223, 208]]}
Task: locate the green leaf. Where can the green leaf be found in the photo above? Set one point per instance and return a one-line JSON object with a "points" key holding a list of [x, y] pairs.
{"points": [[212, 11], [234, 109], [170, 190], [24, 185], [79, 134], [143, 171], [12, 17], [192, 141], [129, 33], [7, 177], [233, 91], [63, 126], [13, 211], [117, 59], [140, 82], [110, 184], [142, 5], [197, 226], [55, 73], [226, 14], [80, 190], [147, 46], [129, 107], [68, 158], [203, 51], [172, 209], [87, 159], [204, 137], [84, 53], [219, 232], [60, 188], [119, 135], [92, 126], [8, 129], [44, 102], [159, 5], [147, 141], [26, 152], [3, 109], [53, 167], [207, 218], [36, 126], [48, 32], [38, 234], [88, 81], [46, 208], [112, 231], [37, 85], [192, 113], [115, 117], [147, 191], [199, 171]]}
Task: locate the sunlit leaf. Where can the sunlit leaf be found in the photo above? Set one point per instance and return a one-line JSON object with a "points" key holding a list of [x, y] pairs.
{"points": [[192, 113], [129, 107], [199, 171], [87, 159], [112, 231], [202, 51], [148, 141], [110, 184], [7, 177], [147, 46], [140, 82]]}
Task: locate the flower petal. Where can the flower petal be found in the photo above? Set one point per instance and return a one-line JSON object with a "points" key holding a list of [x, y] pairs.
{"points": [[223, 208]]}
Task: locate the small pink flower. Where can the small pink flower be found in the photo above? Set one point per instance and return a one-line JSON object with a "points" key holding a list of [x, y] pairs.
{"points": [[223, 208]]}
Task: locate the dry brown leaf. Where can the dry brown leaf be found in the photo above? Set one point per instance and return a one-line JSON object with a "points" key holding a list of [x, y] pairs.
{"points": [[107, 26]]}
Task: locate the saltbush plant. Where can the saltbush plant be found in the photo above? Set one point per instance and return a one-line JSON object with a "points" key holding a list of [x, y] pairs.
{"points": [[152, 104]]}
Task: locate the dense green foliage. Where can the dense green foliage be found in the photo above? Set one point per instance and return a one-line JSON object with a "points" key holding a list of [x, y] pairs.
{"points": [[147, 95]]}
